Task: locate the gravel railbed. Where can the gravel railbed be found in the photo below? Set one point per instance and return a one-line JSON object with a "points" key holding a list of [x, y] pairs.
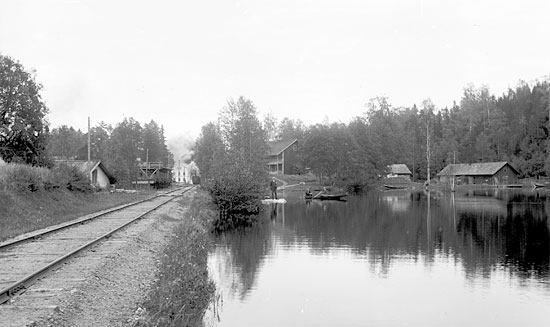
{"points": [[104, 285]]}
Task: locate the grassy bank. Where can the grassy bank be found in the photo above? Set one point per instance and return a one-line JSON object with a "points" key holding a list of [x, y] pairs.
{"points": [[23, 212], [297, 179], [182, 291], [24, 178], [303, 183], [309, 181]]}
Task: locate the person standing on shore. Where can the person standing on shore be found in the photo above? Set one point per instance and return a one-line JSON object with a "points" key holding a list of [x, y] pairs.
{"points": [[273, 187]]}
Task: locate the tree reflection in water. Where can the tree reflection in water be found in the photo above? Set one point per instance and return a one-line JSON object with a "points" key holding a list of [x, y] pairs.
{"points": [[483, 230], [244, 249]]}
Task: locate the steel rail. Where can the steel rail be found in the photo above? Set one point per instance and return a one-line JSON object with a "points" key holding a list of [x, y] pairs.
{"points": [[25, 282], [87, 218]]}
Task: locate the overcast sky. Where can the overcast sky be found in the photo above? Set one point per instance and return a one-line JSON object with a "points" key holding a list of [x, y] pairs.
{"points": [[178, 62]]}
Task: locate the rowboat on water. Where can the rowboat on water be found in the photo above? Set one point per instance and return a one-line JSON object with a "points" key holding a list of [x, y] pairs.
{"points": [[322, 196], [395, 187], [331, 196]]}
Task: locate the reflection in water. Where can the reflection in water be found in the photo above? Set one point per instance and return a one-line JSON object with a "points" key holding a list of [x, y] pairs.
{"points": [[416, 244], [274, 210]]}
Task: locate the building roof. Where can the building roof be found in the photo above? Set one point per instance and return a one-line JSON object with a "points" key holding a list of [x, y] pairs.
{"points": [[481, 168], [399, 169], [86, 167], [276, 147]]}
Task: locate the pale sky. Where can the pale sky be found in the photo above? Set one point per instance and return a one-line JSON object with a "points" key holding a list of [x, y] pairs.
{"points": [[178, 62]]}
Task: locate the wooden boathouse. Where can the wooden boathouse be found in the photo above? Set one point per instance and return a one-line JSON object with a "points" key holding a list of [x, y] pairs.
{"points": [[282, 156], [489, 173], [399, 170]]}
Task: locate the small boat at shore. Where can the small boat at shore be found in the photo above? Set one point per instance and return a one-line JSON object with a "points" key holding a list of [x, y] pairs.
{"points": [[395, 187], [337, 197]]}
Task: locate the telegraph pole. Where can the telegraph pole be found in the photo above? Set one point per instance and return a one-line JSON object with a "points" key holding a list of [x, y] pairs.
{"points": [[89, 141], [428, 150]]}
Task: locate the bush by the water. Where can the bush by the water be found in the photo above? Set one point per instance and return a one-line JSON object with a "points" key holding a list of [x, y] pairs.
{"points": [[231, 156], [355, 187], [237, 194], [183, 291], [25, 178]]}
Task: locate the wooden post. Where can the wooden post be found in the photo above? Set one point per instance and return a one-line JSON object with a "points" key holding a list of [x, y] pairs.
{"points": [[283, 163], [89, 141], [428, 150]]}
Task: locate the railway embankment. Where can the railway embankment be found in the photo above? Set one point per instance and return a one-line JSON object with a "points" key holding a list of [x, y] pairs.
{"points": [[182, 290], [23, 212], [151, 273], [32, 198]]}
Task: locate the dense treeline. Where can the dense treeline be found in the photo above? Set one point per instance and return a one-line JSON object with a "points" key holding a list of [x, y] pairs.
{"points": [[512, 127], [231, 157], [25, 136], [481, 128], [117, 147]]}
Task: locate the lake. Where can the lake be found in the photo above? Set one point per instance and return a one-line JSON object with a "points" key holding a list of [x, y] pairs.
{"points": [[474, 258]]}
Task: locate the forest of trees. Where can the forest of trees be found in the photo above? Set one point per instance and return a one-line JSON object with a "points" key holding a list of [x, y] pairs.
{"points": [[514, 127], [482, 127], [25, 136], [230, 155], [117, 147]]}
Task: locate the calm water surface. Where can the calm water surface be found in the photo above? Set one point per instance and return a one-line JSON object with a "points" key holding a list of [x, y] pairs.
{"points": [[389, 258]]}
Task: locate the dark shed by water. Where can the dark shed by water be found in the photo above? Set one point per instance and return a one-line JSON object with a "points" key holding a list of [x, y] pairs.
{"points": [[491, 173]]}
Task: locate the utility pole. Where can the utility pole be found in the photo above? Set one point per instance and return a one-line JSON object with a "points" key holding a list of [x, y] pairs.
{"points": [[89, 141], [428, 150]]}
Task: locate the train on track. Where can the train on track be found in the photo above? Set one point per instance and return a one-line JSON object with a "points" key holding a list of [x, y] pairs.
{"points": [[154, 174]]}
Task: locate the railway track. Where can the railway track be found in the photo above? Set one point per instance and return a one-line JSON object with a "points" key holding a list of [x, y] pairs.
{"points": [[26, 259]]}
